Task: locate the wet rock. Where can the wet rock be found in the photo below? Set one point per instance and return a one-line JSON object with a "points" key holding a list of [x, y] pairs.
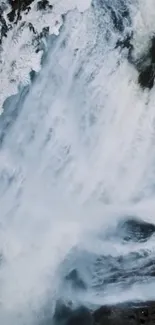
{"points": [[17, 7], [152, 50], [146, 77], [14, 17], [4, 28], [126, 43], [43, 5], [80, 316], [66, 315], [75, 280], [145, 65], [62, 312], [126, 314], [135, 230], [134, 313]]}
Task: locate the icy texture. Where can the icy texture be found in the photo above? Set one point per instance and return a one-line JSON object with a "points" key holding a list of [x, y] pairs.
{"points": [[18, 55]]}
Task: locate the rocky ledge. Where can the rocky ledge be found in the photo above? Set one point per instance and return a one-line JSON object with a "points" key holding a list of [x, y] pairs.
{"points": [[121, 314]]}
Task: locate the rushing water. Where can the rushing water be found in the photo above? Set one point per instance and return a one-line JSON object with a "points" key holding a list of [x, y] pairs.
{"points": [[77, 156]]}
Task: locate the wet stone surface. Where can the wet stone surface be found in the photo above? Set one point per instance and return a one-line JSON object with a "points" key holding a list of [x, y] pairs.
{"points": [[121, 314], [136, 230]]}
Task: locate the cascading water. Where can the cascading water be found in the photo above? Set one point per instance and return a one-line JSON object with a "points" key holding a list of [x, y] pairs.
{"points": [[76, 158]]}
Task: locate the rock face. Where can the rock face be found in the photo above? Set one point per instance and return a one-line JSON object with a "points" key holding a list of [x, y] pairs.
{"points": [[65, 315], [74, 279], [123, 314], [133, 314], [146, 67], [145, 64], [135, 230]]}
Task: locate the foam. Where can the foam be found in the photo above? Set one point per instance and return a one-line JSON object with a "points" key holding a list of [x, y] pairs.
{"points": [[78, 157]]}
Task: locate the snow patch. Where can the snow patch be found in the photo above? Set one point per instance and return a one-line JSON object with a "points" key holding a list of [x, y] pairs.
{"points": [[18, 55]]}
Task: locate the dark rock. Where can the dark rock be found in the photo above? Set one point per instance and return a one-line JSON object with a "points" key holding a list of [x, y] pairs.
{"points": [[146, 77], [126, 43], [45, 32], [14, 16], [126, 314], [133, 313], [4, 28], [152, 50], [135, 229], [31, 27], [66, 315], [146, 67], [102, 314], [24, 5], [62, 312], [43, 5], [145, 64], [33, 75], [17, 7], [74, 279], [80, 316]]}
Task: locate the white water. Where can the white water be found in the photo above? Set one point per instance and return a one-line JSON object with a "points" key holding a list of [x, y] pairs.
{"points": [[79, 156]]}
